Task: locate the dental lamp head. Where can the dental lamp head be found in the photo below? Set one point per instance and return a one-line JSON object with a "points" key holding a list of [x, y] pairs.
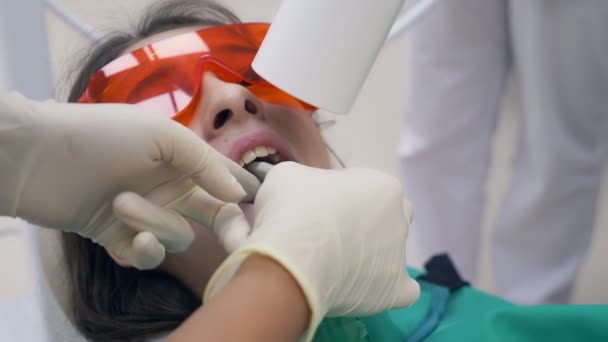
{"points": [[321, 51]]}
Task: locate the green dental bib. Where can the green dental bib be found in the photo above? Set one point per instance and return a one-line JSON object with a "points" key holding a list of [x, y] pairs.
{"points": [[472, 315]]}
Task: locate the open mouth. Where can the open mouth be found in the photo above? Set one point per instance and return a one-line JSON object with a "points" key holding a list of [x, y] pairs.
{"points": [[264, 154], [260, 160], [259, 151]]}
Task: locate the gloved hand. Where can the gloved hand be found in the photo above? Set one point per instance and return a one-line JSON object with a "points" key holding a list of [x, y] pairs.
{"points": [[63, 166], [340, 233]]}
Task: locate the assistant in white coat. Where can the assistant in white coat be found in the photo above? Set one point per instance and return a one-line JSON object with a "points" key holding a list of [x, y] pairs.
{"points": [[459, 58]]}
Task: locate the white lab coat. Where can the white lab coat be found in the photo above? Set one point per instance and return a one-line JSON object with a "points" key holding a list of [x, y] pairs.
{"points": [[459, 58]]}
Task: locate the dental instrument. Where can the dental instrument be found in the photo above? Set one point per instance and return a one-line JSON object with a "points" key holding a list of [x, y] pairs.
{"points": [[259, 169]]}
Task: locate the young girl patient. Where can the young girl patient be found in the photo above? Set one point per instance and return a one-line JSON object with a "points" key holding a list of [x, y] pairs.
{"points": [[221, 99], [190, 60]]}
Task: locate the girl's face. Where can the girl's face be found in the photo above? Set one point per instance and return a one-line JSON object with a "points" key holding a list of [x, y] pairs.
{"points": [[242, 127], [235, 122]]}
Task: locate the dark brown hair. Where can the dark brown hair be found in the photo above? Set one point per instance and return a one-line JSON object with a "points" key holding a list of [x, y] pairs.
{"points": [[109, 302]]}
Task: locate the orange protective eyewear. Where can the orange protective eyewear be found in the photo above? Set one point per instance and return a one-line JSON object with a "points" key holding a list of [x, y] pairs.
{"points": [[166, 75]]}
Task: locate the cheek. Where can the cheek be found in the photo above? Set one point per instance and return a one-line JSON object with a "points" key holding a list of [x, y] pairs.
{"points": [[305, 137], [204, 255], [196, 126], [220, 143], [205, 242]]}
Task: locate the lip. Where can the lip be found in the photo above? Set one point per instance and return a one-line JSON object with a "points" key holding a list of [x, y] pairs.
{"points": [[260, 138]]}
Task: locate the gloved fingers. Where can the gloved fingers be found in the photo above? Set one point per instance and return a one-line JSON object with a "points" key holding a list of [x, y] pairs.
{"points": [[168, 226], [141, 250], [146, 251], [408, 210], [406, 292], [208, 168], [200, 206], [231, 227], [226, 220], [248, 181]]}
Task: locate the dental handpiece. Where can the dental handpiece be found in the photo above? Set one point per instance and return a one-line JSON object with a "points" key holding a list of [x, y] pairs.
{"points": [[259, 169]]}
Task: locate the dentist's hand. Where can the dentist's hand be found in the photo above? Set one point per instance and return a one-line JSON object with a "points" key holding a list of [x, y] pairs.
{"points": [[340, 233], [65, 166]]}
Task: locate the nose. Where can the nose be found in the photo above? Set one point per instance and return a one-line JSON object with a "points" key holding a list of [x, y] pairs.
{"points": [[225, 104]]}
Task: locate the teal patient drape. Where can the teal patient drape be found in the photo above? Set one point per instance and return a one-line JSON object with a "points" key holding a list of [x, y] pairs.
{"points": [[470, 315]]}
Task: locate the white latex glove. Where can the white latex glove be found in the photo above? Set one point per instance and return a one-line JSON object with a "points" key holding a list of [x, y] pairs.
{"points": [[63, 166], [340, 233]]}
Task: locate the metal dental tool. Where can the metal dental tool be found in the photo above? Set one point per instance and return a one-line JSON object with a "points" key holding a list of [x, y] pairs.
{"points": [[259, 169]]}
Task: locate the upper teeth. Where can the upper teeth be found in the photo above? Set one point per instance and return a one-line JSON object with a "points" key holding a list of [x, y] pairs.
{"points": [[260, 151]]}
